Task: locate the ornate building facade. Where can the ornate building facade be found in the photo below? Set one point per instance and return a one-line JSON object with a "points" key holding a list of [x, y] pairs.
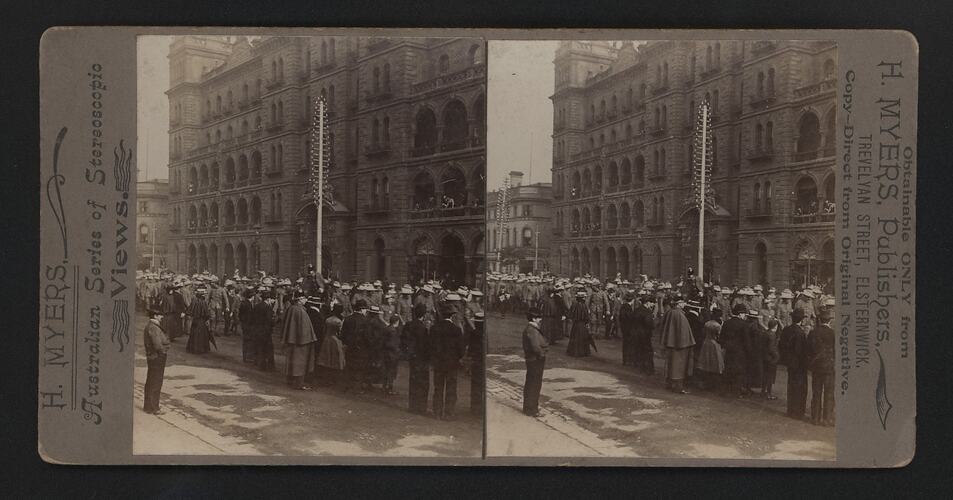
{"points": [[407, 155], [152, 223], [623, 128], [524, 245]]}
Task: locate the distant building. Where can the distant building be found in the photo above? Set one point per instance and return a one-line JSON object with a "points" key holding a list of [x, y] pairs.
{"points": [[528, 229], [622, 147], [408, 166], [152, 219]]}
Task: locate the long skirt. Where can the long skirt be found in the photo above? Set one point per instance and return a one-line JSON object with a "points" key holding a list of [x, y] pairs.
{"points": [[579, 339], [710, 358], [679, 365], [198, 339], [296, 364]]}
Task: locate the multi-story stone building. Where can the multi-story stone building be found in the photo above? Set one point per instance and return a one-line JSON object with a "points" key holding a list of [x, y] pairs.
{"points": [[623, 129], [152, 223], [524, 245], [408, 161]]}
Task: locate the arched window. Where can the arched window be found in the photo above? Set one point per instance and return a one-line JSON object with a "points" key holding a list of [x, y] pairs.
{"points": [[455, 126], [425, 137], [769, 136], [756, 198], [385, 133], [809, 136], [758, 137], [424, 192], [805, 192], [767, 196], [761, 264], [377, 80], [386, 82], [375, 127], [770, 81], [830, 69]]}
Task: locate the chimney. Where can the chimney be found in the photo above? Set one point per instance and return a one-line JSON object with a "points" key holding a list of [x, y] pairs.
{"points": [[516, 178]]}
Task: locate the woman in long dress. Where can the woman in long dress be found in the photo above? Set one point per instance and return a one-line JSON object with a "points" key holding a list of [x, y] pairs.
{"points": [[199, 335], [711, 359], [580, 339], [330, 359]]}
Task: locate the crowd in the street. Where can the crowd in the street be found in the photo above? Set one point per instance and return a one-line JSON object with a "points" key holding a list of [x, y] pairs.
{"points": [[347, 335], [728, 339]]}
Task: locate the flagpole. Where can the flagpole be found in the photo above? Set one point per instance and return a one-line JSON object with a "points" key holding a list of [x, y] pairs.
{"points": [[702, 188]]}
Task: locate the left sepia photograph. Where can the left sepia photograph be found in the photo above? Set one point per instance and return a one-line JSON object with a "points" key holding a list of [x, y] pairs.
{"points": [[310, 235]]}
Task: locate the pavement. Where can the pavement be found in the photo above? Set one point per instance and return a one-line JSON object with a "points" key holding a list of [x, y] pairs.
{"points": [[214, 404], [596, 407]]}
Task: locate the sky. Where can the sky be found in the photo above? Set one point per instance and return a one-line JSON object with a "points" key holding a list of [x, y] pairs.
{"points": [[152, 113], [519, 111]]}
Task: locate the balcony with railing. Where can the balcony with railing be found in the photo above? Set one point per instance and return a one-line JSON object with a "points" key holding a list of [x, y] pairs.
{"points": [[762, 101], [815, 88], [710, 72], [816, 154], [377, 150], [762, 47], [472, 73], [760, 212], [378, 208], [448, 212], [381, 95], [655, 223], [761, 153], [325, 68]]}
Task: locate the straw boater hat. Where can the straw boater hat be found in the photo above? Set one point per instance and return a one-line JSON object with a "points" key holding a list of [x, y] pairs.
{"points": [[829, 302], [808, 293], [758, 288], [428, 288], [453, 297], [476, 293], [406, 290], [374, 310], [346, 286], [716, 288]]}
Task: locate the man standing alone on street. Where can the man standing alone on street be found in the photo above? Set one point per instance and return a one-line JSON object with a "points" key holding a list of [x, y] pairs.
{"points": [[534, 349], [447, 351], [157, 346]]}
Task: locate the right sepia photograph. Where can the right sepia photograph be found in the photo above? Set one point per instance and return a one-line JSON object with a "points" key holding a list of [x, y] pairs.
{"points": [[660, 249]]}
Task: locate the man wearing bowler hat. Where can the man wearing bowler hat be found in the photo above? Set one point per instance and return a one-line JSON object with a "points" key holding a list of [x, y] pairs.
{"points": [[534, 350]]}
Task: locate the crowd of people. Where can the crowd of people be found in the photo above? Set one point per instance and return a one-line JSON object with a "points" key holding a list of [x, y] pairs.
{"points": [[729, 339], [349, 335]]}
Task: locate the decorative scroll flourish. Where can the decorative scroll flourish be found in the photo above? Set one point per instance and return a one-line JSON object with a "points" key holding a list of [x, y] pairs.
{"points": [[120, 330], [54, 196], [883, 404], [122, 167]]}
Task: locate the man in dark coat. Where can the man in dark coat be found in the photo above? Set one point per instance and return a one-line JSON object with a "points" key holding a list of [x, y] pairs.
{"points": [[793, 348], [172, 310], [317, 313], [248, 331], [297, 332], [355, 337], [552, 312], [156, 345], [735, 339], [534, 350], [643, 318], [200, 335], [447, 349], [580, 338], [417, 342], [821, 341], [476, 348], [627, 320], [262, 321], [757, 337]]}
